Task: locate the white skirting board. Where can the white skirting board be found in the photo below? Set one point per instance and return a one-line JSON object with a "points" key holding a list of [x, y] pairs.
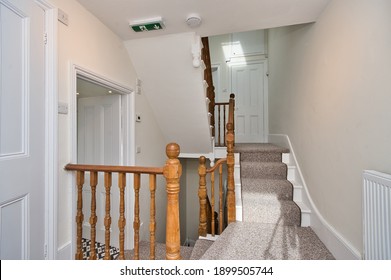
{"points": [[65, 252], [334, 241]]}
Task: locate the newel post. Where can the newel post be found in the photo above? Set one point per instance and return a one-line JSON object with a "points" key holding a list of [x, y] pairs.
{"points": [[202, 194], [231, 204], [172, 171]]}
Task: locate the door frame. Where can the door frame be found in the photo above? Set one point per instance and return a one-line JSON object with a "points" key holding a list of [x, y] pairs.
{"points": [[128, 156], [249, 61], [51, 129]]}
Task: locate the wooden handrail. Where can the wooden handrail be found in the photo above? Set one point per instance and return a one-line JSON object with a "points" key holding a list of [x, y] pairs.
{"points": [[171, 171], [114, 168], [210, 91]]}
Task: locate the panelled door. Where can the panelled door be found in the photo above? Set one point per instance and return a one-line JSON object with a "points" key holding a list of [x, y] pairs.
{"points": [[22, 130], [248, 84]]}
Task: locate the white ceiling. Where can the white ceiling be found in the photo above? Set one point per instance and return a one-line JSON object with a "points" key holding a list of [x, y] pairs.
{"points": [[218, 16]]}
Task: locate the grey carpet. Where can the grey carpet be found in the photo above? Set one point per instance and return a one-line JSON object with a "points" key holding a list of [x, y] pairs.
{"points": [[266, 193], [252, 241], [201, 246]]}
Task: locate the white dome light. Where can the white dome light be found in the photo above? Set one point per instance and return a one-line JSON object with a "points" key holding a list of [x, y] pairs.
{"points": [[193, 20]]}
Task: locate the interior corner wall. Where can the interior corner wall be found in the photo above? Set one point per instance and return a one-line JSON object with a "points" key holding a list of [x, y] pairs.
{"points": [[330, 92], [86, 42]]}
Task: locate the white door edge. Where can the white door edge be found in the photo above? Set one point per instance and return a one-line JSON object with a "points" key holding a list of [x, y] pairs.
{"points": [[51, 130]]}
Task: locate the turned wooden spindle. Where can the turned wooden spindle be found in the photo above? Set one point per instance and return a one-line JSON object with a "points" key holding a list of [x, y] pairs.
{"points": [[212, 203], [152, 220], [231, 113], [121, 219], [230, 170], [224, 120], [202, 194], [79, 215], [219, 125], [221, 215], [136, 222], [172, 172], [107, 220], [93, 217]]}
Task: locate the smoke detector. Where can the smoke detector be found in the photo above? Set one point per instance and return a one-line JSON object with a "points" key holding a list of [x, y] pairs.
{"points": [[193, 20]]}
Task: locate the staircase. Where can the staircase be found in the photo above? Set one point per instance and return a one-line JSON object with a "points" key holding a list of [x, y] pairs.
{"points": [[271, 227]]}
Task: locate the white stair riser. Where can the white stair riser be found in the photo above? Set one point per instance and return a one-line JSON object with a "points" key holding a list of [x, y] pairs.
{"points": [[297, 193], [286, 158], [305, 219]]}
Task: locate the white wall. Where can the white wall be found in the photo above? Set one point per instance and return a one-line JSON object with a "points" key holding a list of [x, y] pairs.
{"points": [[330, 92], [88, 43]]}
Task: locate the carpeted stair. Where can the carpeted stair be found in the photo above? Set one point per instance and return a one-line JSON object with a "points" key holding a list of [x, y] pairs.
{"points": [[267, 194], [271, 219]]}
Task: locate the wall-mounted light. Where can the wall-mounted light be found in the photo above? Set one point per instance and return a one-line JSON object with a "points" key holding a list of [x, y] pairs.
{"points": [[147, 25]]}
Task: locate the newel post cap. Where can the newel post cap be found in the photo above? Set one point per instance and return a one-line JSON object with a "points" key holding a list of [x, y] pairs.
{"points": [[172, 150]]}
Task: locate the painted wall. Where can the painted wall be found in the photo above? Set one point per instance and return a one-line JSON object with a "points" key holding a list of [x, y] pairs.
{"points": [[330, 92], [89, 44]]}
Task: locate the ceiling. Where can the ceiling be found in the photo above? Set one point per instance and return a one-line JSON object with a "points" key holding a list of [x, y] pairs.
{"points": [[218, 16]]}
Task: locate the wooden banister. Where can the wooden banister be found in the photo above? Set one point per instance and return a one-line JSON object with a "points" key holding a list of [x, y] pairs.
{"points": [[205, 218], [207, 223], [231, 204], [210, 91], [171, 171], [225, 111]]}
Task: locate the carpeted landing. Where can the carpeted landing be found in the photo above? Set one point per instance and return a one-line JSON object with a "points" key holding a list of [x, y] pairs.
{"points": [[270, 228]]}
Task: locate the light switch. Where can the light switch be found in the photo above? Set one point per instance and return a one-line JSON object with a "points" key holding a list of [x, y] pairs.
{"points": [[63, 108]]}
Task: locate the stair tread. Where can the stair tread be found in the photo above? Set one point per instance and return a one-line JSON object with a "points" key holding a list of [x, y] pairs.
{"points": [[280, 189], [200, 247], [259, 147], [285, 212], [264, 170], [250, 241]]}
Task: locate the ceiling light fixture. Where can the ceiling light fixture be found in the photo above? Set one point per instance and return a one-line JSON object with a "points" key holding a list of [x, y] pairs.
{"points": [[193, 20]]}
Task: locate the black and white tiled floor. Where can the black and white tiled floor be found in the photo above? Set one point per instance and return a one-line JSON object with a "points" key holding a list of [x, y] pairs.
{"points": [[99, 248]]}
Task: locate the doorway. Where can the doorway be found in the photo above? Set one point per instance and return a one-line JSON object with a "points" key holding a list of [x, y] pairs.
{"points": [[103, 134]]}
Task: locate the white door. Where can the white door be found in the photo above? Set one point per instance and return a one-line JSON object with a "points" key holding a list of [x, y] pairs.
{"points": [[99, 142], [22, 130], [248, 85]]}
